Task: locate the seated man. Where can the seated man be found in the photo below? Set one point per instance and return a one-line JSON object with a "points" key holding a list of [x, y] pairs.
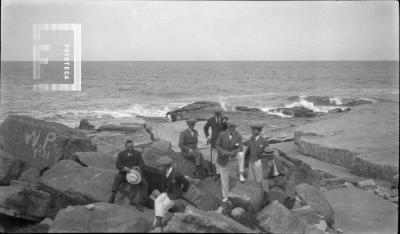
{"points": [[278, 173], [127, 160], [174, 184], [188, 140]]}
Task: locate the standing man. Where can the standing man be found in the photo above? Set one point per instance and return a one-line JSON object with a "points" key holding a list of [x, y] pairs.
{"points": [[229, 144], [126, 161], [174, 184], [254, 154], [217, 124], [188, 140]]}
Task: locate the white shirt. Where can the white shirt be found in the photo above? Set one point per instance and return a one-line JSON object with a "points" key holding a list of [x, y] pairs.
{"points": [[230, 137], [169, 171], [191, 132]]}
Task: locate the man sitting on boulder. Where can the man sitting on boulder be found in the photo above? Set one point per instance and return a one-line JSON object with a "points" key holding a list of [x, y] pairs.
{"points": [[278, 173], [126, 161], [174, 184], [188, 140]]}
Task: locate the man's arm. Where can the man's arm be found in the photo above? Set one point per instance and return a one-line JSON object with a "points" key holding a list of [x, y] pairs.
{"points": [[119, 163], [141, 161], [182, 180], [182, 141], [206, 127], [240, 148], [218, 144]]}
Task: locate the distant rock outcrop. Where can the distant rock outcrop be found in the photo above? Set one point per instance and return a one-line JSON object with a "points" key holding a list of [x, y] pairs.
{"points": [[198, 110]]}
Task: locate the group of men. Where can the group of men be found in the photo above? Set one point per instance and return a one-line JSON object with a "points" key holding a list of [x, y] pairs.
{"points": [[226, 143]]}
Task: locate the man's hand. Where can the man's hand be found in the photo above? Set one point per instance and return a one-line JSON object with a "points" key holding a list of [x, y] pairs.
{"points": [[126, 169], [190, 151]]}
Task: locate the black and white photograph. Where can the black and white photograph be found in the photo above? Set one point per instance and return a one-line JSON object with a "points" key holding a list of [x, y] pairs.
{"points": [[273, 117]]}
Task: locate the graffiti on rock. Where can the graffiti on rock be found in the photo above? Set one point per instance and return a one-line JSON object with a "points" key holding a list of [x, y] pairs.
{"points": [[40, 150]]}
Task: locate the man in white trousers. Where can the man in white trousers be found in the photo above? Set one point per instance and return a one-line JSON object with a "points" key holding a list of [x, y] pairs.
{"points": [[174, 184], [229, 145]]}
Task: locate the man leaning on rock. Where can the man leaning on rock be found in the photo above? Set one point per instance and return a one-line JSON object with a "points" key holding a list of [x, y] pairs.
{"points": [[128, 160]]}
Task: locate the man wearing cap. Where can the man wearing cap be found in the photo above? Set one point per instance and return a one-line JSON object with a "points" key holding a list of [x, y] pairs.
{"points": [[278, 173], [254, 154], [174, 184], [229, 145], [217, 123], [188, 140], [126, 161]]}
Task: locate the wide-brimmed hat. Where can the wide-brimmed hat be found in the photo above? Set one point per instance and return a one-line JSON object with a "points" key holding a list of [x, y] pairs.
{"points": [[165, 161], [134, 177]]}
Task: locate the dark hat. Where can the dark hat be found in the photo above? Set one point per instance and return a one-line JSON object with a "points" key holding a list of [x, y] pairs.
{"points": [[218, 111], [257, 126], [191, 121]]}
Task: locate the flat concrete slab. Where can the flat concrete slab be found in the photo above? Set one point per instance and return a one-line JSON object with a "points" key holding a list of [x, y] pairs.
{"points": [[358, 211], [365, 140]]}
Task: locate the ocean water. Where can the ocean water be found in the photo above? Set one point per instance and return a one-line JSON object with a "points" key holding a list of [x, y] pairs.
{"points": [[114, 89]]}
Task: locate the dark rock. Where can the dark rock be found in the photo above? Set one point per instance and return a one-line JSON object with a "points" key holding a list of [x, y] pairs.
{"points": [[296, 111], [10, 168], [196, 221], [24, 202], [314, 198], [121, 128], [277, 194], [71, 184], [197, 110], [358, 102], [339, 110], [39, 143], [275, 218], [247, 109], [30, 175], [102, 217], [201, 198], [302, 172], [248, 195], [85, 125]]}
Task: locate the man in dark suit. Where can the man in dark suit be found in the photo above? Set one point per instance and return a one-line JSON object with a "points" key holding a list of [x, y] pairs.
{"points": [[127, 160], [254, 154], [229, 145], [217, 123], [188, 140], [174, 184]]}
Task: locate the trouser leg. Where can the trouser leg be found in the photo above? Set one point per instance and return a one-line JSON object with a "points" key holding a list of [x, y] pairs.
{"points": [[118, 180], [214, 160], [256, 174], [162, 204], [224, 180], [143, 190], [198, 157]]}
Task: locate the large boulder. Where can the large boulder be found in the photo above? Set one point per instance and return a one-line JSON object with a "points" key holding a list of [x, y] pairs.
{"points": [[39, 143], [197, 221], [248, 195], [31, 175], [71, 184], [312, 196], [247, 109], [101, 217], [95, 159], [23, 202], [10, 168], [202, 198], [275, 218], [198, 110]]}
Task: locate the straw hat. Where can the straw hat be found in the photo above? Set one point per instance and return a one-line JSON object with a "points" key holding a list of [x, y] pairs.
{"points": [[133, 177]]}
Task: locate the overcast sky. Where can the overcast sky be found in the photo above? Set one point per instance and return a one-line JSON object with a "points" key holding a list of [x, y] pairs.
{"points": [[199, 30]]}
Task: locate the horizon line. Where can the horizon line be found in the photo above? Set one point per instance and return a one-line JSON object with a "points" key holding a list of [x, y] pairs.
{"points": [[321, 60]]}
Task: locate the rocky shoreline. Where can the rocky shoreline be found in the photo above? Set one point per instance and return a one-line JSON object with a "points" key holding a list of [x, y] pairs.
{"points": [[57, 179]]}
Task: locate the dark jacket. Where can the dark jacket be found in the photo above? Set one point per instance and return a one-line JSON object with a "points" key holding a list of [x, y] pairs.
{"points": [[123, 160], [255, 149], [223, 144], [216, 128], [187, 141], [175, 185]]}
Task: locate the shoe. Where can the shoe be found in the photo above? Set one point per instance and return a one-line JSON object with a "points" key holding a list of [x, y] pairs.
{"points": [[241, 178], [158, 222], [112, 198], [225, 199]]}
